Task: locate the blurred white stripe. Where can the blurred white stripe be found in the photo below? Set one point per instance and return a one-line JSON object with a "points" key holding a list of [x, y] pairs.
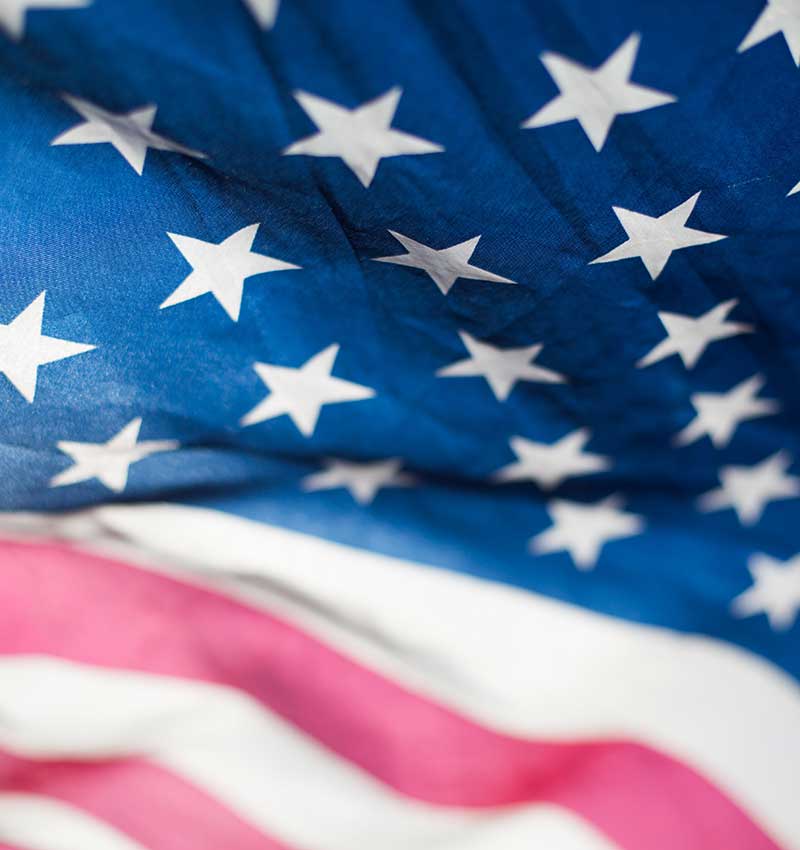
{"points": [[32, 822]]}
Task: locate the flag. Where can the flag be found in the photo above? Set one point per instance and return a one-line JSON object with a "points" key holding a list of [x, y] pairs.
{"points": [[399, 425]]}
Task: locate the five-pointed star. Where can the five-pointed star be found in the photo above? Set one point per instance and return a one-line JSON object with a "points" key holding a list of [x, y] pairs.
{"points": [[689, 337], [129, 132], [24, 348], [720, 414], [595, 96], [363, 480], [443, 265], [749, 489], [777, 16], [221, 268], [109, 462], [264, 11], [775, 591], [301, 392], [654, 239], [502, 367], [361, 137], [583, 529], [548, 464], [12, 12]]}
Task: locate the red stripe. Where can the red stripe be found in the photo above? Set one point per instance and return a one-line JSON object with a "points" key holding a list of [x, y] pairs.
{"points": [[90, 609], [153, 807]]}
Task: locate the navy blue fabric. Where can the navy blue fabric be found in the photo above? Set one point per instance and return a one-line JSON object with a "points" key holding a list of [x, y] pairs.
{"points": [[78, 222]]}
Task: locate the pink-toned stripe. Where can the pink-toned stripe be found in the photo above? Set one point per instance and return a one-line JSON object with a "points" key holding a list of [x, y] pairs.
{"points": [[79, 606], [153, 807]]}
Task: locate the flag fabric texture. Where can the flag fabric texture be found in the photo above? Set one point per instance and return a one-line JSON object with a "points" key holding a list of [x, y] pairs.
{"points": [[399, 425]]}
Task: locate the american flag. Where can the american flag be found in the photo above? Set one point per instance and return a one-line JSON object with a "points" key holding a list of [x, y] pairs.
{"points": [[399, 426]]}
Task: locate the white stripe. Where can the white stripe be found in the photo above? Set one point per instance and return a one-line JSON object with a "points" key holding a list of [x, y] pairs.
{"points": [[511, 659], [249, 759], [41, 823]]}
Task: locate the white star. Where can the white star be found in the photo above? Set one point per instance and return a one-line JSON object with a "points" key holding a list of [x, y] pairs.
{"points": [[583, 529], [361, 137], [549, 464], [363, 480], [777, 16], [795, 190], [689, 337], [264, 11], [502, 367], [301, 392], [221, 268], [595, 96], [654, 239], [109, 462], [775, 591], [129, 132], [720, 414], [23, 348], [12, 12], [749, 489], [443, 265]]}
